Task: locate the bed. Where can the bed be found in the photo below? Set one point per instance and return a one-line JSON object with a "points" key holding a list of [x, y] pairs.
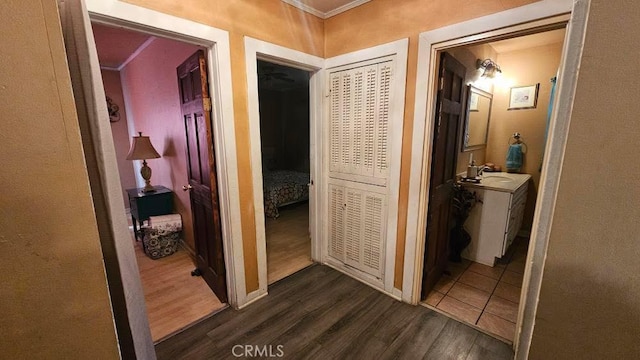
{"points": [[283, 187]]}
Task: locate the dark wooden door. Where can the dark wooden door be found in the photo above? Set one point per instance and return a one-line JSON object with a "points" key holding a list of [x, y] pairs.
{"points": [[201, 170], [449, 110]]}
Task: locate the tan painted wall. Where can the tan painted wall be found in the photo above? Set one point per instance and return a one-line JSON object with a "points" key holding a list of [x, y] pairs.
{"points": [[54, 301], [523, 67], [589, 306], [268, 20], [382, 21]]}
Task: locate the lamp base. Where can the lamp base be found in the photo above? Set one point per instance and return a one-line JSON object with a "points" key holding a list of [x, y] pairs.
{"points": [[145, 171], [148, 188]]}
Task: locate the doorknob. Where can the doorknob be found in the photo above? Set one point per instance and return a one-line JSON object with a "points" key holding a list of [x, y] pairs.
{"points": [[187, 187]]}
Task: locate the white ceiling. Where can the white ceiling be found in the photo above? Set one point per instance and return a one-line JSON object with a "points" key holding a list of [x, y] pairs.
{"points": [[529, 41], [325, 8]]}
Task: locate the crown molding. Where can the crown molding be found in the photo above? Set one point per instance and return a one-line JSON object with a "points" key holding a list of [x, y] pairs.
{"points": [[325, 15], [344, 8]]}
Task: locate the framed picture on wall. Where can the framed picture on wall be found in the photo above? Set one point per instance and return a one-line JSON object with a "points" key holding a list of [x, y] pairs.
{"points": [[524, 97], [473, 102]]}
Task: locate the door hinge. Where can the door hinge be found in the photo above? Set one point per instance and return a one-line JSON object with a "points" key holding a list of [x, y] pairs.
{"points": [[206, 103], [441, 85]]}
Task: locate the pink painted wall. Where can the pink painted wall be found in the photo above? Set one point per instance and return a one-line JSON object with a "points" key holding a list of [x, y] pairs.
{"points": [[151, 87], [121, 138]]}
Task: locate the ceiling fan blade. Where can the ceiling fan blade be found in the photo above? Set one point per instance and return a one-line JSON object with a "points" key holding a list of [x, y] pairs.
{"points": [[279, 76]]}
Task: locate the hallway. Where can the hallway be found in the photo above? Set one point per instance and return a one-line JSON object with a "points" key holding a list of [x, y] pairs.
{"points": [[320, 313]]}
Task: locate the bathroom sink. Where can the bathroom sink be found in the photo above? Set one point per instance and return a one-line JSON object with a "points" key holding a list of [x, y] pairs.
{"points": [[500, 181], [497, 178]]}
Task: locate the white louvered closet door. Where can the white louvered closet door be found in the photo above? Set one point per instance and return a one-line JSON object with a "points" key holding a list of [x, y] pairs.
{"points": [[359, 122], [357, 228], [360, 100]]}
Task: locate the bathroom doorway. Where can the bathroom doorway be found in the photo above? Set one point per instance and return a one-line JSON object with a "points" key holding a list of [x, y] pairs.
{"points": [[483, 288]]}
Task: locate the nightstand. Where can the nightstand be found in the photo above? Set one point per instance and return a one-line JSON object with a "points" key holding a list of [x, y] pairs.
{"points": [[145, 204]]}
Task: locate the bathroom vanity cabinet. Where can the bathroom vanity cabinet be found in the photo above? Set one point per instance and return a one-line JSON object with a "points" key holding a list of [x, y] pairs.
{"points": [[495, 220]]}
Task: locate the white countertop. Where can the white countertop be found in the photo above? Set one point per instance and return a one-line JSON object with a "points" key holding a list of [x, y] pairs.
{"points": [[499, 181]]}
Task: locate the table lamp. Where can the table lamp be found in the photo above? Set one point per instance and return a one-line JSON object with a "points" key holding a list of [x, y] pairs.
{"points": [[141, 149]]}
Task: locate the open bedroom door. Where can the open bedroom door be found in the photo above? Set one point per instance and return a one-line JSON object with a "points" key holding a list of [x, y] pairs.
{"points": [[201, 169]]}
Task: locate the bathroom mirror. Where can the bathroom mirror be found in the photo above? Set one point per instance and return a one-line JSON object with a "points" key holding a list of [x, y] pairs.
{"points": [[477, 120]]}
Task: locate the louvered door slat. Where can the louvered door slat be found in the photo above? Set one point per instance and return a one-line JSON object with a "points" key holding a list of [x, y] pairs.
{"points": [[335, 118], [370, 100], [382, 123], [357, 148], [346, 119], [373, 240], [336, 222], [353, 228]]}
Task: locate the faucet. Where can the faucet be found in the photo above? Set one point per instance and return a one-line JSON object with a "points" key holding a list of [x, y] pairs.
{"points": [[482, 168]]}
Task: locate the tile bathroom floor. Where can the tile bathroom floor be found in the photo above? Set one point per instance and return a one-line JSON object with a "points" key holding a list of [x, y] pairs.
{"points": [[483, 296]]}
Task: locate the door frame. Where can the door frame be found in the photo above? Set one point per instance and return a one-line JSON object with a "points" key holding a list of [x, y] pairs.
{"points": [[522, 20], [216, 42], [262, 50]]}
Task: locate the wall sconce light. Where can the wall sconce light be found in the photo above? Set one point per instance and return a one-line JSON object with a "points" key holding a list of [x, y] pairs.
{"points": [[141, 149], [489, 67]]}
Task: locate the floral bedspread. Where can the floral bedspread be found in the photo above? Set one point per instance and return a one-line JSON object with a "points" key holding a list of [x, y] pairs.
{"points": [[283, 187]]}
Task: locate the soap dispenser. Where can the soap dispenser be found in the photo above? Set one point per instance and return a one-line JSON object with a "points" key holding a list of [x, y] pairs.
{"points": [[472, 169]]}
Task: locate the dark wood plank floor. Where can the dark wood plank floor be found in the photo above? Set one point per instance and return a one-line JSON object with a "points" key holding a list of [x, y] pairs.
{"points": [[319, 313]]}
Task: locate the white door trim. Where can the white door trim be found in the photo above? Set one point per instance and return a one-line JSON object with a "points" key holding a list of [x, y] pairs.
{"points": [[398, 49], [550, 180], [114, 12], [429, 43], [254, 50], [529, 16]]}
